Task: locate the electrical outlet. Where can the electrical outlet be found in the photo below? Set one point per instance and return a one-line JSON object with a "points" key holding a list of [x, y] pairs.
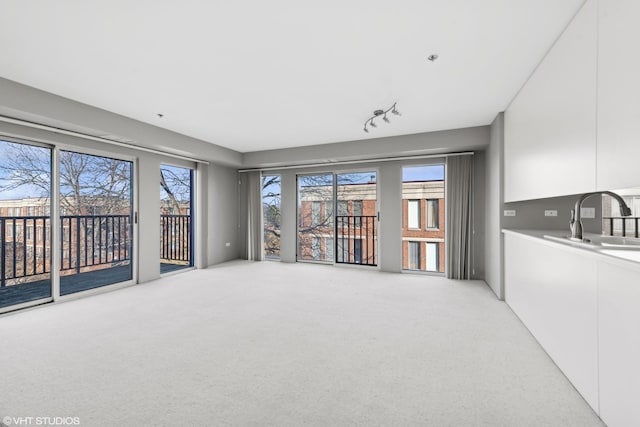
{"points": [[550, 212], [588, 212], [228, 244], [510, 212]]}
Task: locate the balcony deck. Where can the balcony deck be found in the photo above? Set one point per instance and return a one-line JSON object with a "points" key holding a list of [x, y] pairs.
{"points": [[69, 284]]}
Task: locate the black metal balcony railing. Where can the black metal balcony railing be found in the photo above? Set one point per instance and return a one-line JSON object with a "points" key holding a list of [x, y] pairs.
{"points": [[176, 238], [85, 241], [92, 240], [626, 226], [356, 240]]}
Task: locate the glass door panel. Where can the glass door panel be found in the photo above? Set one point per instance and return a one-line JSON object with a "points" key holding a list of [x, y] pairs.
{"points": [[176, 218], [271, 215], [315, 218], [25, 231], [356, 218], [423, 229], [96, 230]]}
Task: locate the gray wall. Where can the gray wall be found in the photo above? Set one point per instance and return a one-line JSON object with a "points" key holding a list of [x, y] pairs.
{"points": [[479, 213], [223, 221], [449, 141], [27, 103], [493, 208]]}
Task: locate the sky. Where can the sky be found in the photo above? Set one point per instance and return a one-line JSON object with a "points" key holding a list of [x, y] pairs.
{"points": [[423, 173]]}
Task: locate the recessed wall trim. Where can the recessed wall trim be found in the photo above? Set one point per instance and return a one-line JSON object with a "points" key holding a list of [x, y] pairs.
{"points": [[353, 162], [95, 138]]}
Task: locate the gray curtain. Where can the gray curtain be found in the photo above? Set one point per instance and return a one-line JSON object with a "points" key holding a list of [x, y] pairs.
{"points": [[459, 207], [254, 216]]}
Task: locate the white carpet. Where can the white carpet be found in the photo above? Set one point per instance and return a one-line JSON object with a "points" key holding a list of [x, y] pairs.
{"points": [[270, 344]]}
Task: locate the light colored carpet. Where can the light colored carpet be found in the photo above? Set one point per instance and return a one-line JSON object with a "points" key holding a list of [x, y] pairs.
{"points": [[270, 344]]}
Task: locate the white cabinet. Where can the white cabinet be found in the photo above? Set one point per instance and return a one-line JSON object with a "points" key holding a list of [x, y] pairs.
{"points": [[553, 292], [550, 127], [619, 347], [618, 94]]}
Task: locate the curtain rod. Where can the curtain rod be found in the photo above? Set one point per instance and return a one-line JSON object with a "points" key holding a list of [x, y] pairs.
{"points": [[95, 138], [352, 162]]}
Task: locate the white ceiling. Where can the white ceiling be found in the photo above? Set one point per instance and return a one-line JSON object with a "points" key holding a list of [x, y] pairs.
{"points": [[255, 75]]}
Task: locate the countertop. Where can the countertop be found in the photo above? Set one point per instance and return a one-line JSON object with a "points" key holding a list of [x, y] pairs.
{"points": [[620, 257]]}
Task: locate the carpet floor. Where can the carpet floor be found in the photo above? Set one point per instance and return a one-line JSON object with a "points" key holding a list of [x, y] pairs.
{"points": [[274, 344]]}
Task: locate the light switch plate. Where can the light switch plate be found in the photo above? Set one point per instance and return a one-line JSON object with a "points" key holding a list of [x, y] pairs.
{"points": [[550, 212], [588, 212], [510, 212]]}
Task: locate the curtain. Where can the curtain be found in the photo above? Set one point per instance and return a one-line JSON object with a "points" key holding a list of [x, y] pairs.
{"points": [[254, 216], [459, 207]]}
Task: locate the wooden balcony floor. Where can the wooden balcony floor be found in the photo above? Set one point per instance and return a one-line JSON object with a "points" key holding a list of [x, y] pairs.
{"points": [[32, 291]]}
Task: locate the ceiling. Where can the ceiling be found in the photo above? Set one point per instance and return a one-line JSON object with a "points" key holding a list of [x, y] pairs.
{"points": [[256, 75]]}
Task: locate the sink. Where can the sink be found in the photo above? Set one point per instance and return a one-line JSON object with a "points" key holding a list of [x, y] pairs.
{"points": [[594, 241], [630, 255], [615, 241]]}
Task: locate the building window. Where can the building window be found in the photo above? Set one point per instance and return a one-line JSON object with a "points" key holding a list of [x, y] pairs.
{"points": [[29, 233], [315, 213], [432, 213], [343, 208], [357, 213], [315, 248], [328, 249], [357, 251], [433, 252], [414, 255], [413, 214]]}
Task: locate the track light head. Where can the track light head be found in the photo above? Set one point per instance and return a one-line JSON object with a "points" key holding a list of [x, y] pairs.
{"points": [[365, 129], [395, 112], [373, 125], [385, 118]]}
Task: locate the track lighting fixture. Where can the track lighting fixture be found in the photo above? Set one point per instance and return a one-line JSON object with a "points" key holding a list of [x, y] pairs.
{"points": [[383, 113]]}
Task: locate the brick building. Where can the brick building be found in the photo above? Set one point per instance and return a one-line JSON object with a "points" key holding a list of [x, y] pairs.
{"points": [[353, 237]]}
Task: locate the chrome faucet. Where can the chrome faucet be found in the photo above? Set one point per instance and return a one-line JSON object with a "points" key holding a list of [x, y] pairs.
{"points": [[576, 221]]}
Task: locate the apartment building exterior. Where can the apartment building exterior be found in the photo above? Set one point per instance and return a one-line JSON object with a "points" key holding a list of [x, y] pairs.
{"points": [[348, 232]]}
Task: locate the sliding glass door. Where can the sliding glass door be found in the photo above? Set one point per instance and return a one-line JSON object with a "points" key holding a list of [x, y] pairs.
{"points": [[337, 218], [315, 218], [176, 218], [25, 222], [92, 234], [356, 218], [96, 221]]}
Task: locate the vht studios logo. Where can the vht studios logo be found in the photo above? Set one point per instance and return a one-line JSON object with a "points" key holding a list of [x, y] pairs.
{"points": [[40, 421]]}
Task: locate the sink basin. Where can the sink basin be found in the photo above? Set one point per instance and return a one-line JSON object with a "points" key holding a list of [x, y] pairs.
{"points": [[595, 241], [615, 241], [630, 255]]}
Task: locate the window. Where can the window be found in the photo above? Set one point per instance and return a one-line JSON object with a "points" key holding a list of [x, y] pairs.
{"points": [[328, 249], [357, 251], [414, 255], [357, 213], [343, 208], [315, 213], [29, 233], [413, 214], [432, 213], [423, 233], [271, 185], [433, 256], [315, 248]]}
